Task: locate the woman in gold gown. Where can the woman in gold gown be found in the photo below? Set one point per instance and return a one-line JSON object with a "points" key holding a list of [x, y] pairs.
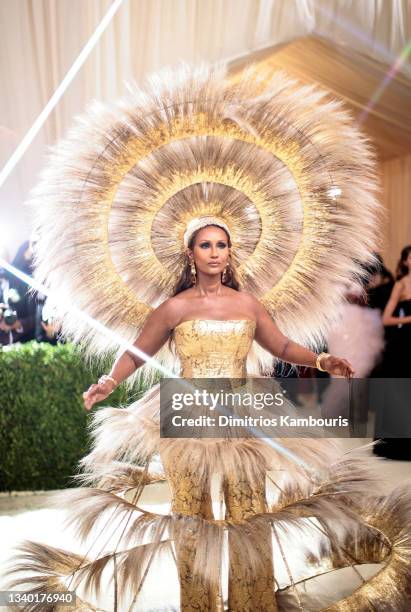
{"points": [[190, 179], [213, 325]]}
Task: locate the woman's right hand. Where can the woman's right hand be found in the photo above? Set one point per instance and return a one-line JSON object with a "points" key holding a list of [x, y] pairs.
{"points": [[99, 392]]}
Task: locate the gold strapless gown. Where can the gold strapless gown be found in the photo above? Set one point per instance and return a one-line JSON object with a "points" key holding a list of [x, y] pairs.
{"points": [[211, 349], [331, 489]]}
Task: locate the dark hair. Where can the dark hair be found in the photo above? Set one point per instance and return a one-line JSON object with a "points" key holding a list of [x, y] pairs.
{"points": [[377, 266], [402, 267], [185, 280]]}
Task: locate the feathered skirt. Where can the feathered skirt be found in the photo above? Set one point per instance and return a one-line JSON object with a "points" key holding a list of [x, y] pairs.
{"points": [[239, 509]]}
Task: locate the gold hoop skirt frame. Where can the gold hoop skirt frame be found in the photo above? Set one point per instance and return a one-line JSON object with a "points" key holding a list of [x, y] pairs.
{"points": [[294, 179]]}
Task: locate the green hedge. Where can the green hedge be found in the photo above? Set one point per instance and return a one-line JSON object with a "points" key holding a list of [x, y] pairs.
{"points": [[43, 425]]}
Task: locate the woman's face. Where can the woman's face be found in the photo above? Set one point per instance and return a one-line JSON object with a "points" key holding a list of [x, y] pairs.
{"points": [[407, 261], [211, 251]]}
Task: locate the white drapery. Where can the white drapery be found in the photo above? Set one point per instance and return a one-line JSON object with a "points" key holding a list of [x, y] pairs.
{"points": [[41, 38]]}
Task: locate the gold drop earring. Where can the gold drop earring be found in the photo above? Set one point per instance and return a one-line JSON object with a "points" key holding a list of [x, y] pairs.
{"points": [[193, 272]]}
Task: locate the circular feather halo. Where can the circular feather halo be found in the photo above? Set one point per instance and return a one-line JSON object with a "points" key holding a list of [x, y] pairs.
{"points": [[283, 165]]}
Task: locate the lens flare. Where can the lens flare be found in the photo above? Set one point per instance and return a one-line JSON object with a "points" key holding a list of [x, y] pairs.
{"points": [[71, 73], [356, 32], [394, 68], [127, 346]]}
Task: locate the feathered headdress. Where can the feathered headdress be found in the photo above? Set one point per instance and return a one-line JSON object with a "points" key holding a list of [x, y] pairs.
{"points": [[281, 164]]}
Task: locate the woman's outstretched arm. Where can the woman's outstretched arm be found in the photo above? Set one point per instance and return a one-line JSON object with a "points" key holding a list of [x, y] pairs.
{"points": [[152, 337], [270, 337]]}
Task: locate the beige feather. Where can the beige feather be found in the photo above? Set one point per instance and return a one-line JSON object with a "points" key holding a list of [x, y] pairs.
{"points": [[263, 152]]}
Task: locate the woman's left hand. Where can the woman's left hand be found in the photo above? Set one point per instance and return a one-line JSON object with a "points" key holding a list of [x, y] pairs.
{"points": [[337, 366]]}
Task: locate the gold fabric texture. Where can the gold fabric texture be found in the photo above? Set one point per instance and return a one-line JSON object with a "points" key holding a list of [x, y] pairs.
{"points": [[218, 348], [191, 497], [209, 349], [246, 592]]}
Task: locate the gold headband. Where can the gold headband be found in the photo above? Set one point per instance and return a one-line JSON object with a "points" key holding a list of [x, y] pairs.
{"points": [[199, 223]]}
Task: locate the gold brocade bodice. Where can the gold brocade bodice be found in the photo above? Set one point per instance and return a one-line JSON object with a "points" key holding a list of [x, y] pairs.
{"points": [[213, 348]]}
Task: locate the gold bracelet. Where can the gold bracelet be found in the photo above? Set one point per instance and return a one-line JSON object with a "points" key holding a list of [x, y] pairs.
{"points": [[105, 377], [318, 361]]}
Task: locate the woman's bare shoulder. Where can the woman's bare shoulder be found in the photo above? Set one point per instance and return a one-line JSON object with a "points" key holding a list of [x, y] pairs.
{"points": [[187, 294], [399, 287], [167, 307], [172, 309], [249, 300], [249, 297]]}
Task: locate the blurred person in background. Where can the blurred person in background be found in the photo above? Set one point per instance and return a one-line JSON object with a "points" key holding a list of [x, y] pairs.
{"points": [[18, 309], [379, 284], [47, 327], [397, 315], [396, 362]]}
